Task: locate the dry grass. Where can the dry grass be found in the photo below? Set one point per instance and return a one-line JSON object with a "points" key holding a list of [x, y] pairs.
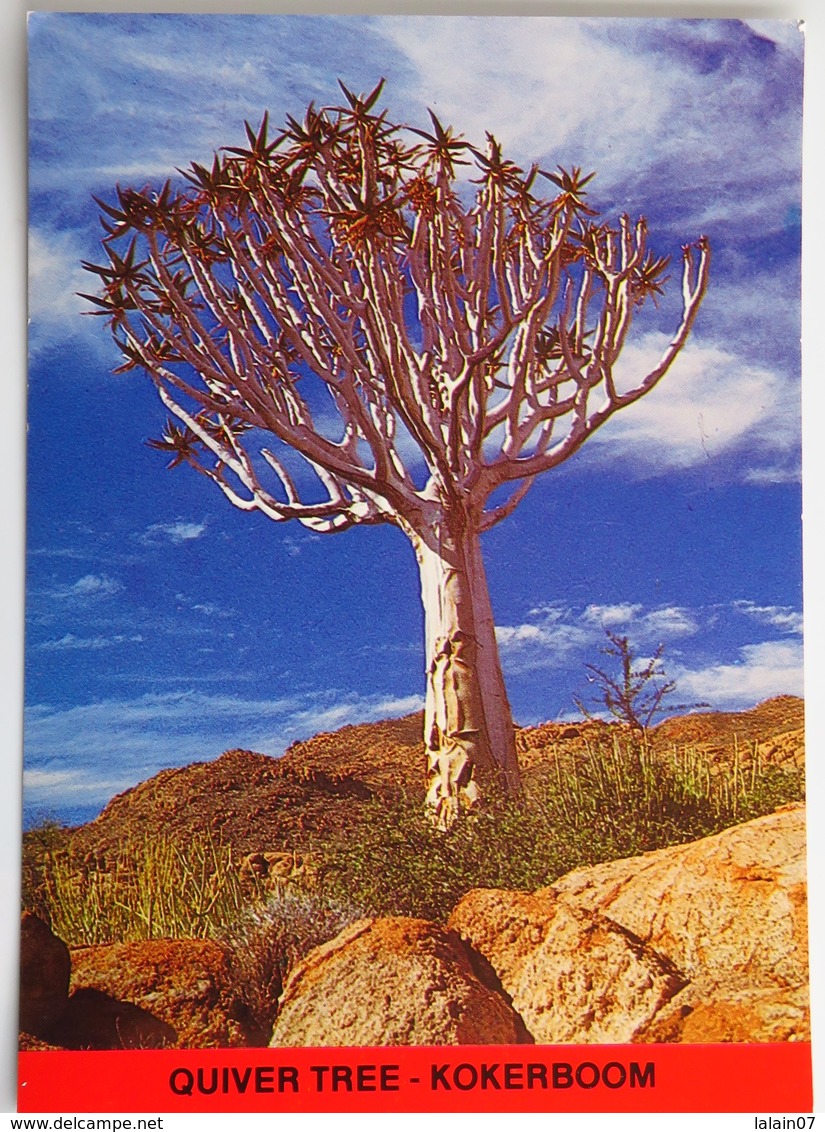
{"points": [[165, 891], [272, 937]]}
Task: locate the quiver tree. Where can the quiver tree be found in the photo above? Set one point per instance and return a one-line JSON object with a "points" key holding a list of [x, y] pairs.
{"points": [[413, 318]]}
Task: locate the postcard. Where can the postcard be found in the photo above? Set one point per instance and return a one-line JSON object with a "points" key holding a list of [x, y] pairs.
{"points": [[414, 677]]}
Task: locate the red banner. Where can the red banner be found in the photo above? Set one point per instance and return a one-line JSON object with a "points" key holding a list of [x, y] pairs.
{"points": [[638, 1078]]}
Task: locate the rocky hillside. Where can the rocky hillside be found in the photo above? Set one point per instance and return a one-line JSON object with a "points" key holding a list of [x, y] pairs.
{"points": [[320, 786], [624, 897], [252, 801], [776, 726]]}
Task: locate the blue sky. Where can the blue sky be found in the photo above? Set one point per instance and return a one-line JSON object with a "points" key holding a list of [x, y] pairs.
{"points": [[164, 626]]}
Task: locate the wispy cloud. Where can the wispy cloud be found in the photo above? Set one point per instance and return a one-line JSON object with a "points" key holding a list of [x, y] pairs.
{"points": [[667, 621], [177, 533], [564, 639], [709, 406], [69, 642], [513, 77], [555, 635], [781, 617], [205, 608], [94, 585], [310, 720], [142, 735], [628, 97], [55, 308], [114, 114], [546, 642], [89, 588], [43, 785]]}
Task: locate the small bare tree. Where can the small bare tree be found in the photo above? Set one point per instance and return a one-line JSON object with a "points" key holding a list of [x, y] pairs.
{"points": [[429, 343], [635, 694]]}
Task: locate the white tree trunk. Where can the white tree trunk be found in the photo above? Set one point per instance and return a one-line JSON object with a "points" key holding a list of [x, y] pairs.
{"points": [[468, 726]]}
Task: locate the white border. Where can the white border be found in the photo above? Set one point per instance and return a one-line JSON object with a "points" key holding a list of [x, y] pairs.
{"points": [[13, 383]]}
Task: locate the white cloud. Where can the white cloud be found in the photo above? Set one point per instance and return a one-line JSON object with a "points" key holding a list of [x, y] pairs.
{"points": [[610, 615], [538, 84], [556, 634], [770, 668], [669, 622], [634, 99], [54, 276], [357, 710], [565, 639], [786, 33], [782, 617], [70, 642], [204, 608], [177, 533], [55, 309], [42, 785], [90, 587], [709, 404], [547, 642]]}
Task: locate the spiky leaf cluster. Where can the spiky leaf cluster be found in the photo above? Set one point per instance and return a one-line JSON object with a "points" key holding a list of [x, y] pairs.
{"points": [[425, 284]]}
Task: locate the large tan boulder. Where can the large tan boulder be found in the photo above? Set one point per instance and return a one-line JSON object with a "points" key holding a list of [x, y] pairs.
{"points": [[394, 981], [733, 903], [185, 985], [698, 942], [44, 976], [573, 977]]}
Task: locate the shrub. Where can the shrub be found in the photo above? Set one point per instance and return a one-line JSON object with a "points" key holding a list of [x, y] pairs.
{"points": [[271, 938], [615, 799]]}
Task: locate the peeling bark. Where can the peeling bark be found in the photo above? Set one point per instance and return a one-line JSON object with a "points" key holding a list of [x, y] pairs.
{"points": [[468, 727]]}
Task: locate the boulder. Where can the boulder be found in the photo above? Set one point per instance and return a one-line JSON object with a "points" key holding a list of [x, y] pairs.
{"points": [[698, 942], [394, 981], [44, 976], [183, 987], [274, 871], [731, 904], [573, 977]]}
